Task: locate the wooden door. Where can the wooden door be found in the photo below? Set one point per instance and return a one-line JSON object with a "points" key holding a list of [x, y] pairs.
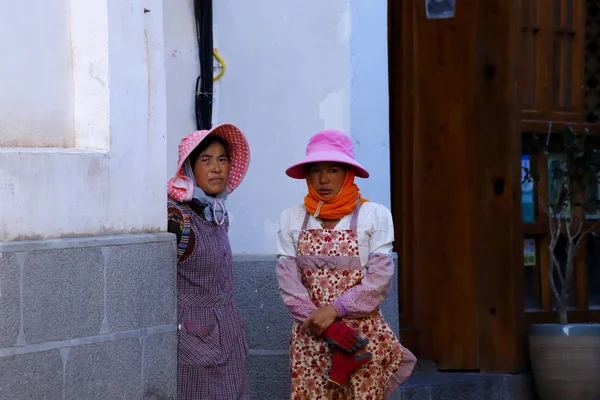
{"points": [[455, 139]]}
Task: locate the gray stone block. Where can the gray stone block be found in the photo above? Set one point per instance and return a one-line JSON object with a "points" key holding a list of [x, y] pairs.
{"points": [[467, 386], [32, 376], [110, 370], [268, 322], [63, 294], [494, 387], [425, 366], [63, 285], [397, 395], [467, 390], [520, 387], [389, 307], [269, 377], [413, 393], [10, 300], [86, 241], [160, 367], [459, 386], [140, 280], [460, 390]]}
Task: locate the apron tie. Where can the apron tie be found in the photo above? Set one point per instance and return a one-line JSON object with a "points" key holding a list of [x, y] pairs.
{"points": [[329, 262], [318, 210]]}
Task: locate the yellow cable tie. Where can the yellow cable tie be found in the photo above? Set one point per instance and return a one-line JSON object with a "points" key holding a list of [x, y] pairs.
{"points": [[223, 66]]}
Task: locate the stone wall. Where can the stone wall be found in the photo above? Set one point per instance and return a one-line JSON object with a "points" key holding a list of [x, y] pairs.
{"points": [[88, 318], [94, 318]]}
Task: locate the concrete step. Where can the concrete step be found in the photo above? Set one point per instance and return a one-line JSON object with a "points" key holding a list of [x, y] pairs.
{"points": [[270, 380], [425, 366], [466, 386]]}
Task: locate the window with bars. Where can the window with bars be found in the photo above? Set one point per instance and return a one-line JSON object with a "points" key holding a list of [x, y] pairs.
{"points": [[586, 283], [552, 78], [559, 83]]}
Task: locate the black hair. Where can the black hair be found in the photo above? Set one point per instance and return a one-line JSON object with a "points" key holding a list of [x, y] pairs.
{"points": [[205, 144], [308, 166]]}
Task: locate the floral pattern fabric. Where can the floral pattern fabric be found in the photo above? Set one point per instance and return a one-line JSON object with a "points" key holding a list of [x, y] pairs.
{"points": [[326, 278]]}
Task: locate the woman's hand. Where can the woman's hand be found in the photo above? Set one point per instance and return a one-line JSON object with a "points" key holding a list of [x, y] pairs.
{"points": [[320, 319]]}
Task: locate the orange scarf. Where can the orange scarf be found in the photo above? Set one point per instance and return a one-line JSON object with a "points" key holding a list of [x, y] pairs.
{"points": [[335, 207]]}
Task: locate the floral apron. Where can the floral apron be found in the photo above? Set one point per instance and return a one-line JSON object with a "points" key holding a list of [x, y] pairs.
{"points": [[329, 264]]}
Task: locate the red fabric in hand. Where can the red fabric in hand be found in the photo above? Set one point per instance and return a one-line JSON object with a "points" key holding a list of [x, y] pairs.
{"points": [[343, 364], [344, 337]]}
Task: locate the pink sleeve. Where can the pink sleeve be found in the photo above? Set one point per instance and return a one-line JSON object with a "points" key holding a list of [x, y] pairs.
{"points": [[364, 298], [294, 294]]}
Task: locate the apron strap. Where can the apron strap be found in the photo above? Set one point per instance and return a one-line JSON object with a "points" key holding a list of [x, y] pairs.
{"points": [[305, 223], [354, 220]]}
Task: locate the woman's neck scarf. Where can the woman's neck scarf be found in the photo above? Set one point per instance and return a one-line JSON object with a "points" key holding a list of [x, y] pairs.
{"points": [[335, 207], [214, 206]]}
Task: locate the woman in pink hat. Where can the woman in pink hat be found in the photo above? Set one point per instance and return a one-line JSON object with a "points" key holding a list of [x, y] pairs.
{"points": [[334, 270], [212, 343]]}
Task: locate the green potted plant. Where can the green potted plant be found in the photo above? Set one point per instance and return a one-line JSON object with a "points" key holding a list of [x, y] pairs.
{"points": [[565, 357]]}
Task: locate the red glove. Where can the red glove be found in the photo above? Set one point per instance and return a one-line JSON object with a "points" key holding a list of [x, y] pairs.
{"points": [[343, 364], [344, 337]]}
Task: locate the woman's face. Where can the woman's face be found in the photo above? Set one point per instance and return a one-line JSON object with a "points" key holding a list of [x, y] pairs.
{"points": [[327, 178], [211, 169]]}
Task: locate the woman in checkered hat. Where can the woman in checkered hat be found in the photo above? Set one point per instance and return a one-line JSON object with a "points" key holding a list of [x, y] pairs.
{"points": [[212, 348]]}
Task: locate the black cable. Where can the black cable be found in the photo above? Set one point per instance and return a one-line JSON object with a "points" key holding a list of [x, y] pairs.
{"points": [[204, 83]]}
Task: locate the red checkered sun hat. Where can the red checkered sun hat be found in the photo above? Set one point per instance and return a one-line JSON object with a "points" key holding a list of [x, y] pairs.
{"points": [[181, 188]]}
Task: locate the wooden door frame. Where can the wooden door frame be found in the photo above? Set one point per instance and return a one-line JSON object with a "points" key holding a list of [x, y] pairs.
{"points": [[402, 91]]}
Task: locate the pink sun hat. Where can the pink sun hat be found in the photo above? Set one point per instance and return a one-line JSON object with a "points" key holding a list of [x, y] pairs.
{"points": [[328, 146], [181, 188]]}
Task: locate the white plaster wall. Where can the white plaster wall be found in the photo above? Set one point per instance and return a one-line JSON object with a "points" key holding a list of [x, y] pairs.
{"points": [[288, 77], [50, 192], [91, 82], [293, 69], [182, 69], [369, 94], [36, 76]]}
